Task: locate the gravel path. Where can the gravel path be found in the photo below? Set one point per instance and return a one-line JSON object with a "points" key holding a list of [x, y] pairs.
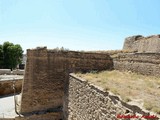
{"points": [[7, 109]]}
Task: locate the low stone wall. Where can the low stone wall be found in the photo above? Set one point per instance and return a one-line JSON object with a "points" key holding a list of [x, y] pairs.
{"points": [[143, 63], [9, 72], [88, 102], [18, 72], [5, 71], [7, 119], [6, 86]]}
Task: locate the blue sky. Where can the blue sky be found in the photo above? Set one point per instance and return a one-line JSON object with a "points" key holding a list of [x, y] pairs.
{"points": [[77, 24]]}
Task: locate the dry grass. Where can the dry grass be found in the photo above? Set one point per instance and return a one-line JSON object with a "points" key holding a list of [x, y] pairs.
{"points": [[130, 86]]}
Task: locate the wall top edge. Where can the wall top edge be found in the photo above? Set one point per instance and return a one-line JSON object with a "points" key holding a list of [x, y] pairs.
{"points": [[64, 51]]}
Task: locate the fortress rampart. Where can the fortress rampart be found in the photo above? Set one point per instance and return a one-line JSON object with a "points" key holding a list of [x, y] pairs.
{"points": [[143, 63], [46, 78]]}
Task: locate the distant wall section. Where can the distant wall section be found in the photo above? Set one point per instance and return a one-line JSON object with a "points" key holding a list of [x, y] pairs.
{"points": [[143, 63], [139, 43]]}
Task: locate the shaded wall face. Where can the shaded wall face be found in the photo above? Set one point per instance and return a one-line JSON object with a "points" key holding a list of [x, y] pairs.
{"points": [[143, 63], [85, 62], [43, 87]]}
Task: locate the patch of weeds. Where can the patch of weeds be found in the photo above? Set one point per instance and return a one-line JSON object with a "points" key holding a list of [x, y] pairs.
{"points": [[130, 87], [103, 82], [148, 105], [149, 84], [158, 82], [115, 91], [156, 110], [98, 80], [126, 99], [106, 88], [94, 71]]}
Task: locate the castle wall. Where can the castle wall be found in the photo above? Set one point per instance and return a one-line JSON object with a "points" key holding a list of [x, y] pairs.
{"points": [[46, 77], [84, 62], [143, 63], [44, 80]]}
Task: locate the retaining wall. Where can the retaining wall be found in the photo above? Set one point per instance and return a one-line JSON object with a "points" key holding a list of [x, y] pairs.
{"points": [[6, 86], [88, 102], [143, 63], [5, 71], [9, 72]]}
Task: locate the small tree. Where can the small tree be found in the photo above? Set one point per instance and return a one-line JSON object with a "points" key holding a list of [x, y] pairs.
{"points": [[12, 55], [1, 56]]}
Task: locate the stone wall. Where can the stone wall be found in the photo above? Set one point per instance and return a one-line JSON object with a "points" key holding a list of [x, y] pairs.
{"points": [[143, 63], [85, 61], [5, 71], [43, 87], [18, 72], [142, 44], [9, 72], [6, 86], [46, 77], [88, 102]]}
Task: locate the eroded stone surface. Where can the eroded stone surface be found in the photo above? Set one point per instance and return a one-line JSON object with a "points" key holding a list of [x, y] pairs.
{"points": [[143, 63], [46, 77], [142, 44]]}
